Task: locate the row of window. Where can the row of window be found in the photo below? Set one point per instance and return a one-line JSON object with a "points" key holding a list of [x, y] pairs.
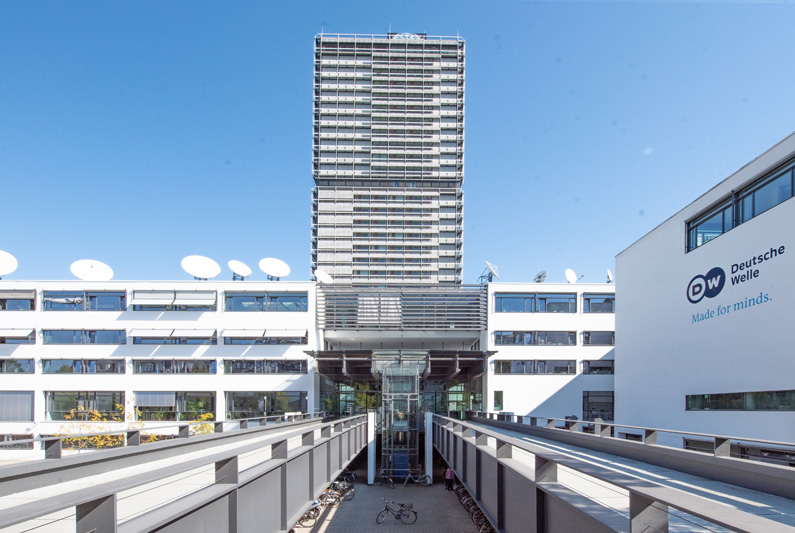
{"points": [[743, 205], [552, 303], [153, 300], [154, 366], [595, 404], [553, 338], [552, 367], [783, 400], [17, 406], [170, 336]]}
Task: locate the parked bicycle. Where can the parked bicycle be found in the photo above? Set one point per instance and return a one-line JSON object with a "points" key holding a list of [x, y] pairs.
{"points": [[421, 479], [311, 515], [386, 480], [344, 489], [402, 511]]}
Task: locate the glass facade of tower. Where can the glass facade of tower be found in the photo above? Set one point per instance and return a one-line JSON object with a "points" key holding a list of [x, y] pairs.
{"points": [[388, 159]]}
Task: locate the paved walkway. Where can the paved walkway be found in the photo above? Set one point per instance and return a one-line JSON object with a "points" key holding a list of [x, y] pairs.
{"points": [[437, 510]]}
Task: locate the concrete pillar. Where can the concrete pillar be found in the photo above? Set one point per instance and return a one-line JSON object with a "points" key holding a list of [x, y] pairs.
{"points": [[371, 447]]}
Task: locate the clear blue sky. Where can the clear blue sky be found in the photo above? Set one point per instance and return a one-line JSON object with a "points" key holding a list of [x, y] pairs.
{"points": [[136, 133]]}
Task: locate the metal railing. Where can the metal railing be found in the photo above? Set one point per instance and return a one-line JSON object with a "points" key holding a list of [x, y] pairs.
{"points": [[261, 478], [566, 490]]}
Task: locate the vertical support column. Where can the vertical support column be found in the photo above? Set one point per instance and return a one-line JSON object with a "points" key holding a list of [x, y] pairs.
{"points": [[429, 444], [134, 438], [226, 474], [184, 431], [504, 451], [723, 447], [244, 424], [279, 451], [52, 449], [650, 436], [646, 514], [325, 433], [481, 441], [371, 445], [96, 515], [546, 471], [308, 439], [219, 427]]}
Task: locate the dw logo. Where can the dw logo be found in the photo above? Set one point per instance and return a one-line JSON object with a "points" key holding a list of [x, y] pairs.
{"points": [[709, 285]]}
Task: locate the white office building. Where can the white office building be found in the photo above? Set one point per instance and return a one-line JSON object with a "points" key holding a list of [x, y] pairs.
{"points": [[388, 159], [552, 349], [704, 312]]}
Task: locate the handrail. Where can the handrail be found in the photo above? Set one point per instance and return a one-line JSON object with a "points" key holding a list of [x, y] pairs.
{"points": [[151, 429], [642, 492], [210, 449], [534, 418]]}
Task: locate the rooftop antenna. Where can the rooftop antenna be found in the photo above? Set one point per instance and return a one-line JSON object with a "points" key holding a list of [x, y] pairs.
{"points": [[200, 267], [489, 274], [8, 263], [240, 270], [540, 277], [323, 277], [274, 268], [609, 276], [91, 270]]}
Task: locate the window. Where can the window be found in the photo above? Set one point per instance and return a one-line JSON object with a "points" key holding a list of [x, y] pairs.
{"points": [[557, 303], [277, 302], [83, 366], [172, 406], [174, 336], [597, 404], [162, 300], [514, 303], [602, 366], [535, 338], [59, 404], [70, 336], [556, 338], [742, 401], [19, 300], [598, 303], [173, 366], [272, 337], [770, 190], [265, 366], [264, 403], [556, 367], [599, 338], [18, 336], [85, 301], [498, 400], [16, 366], [534, 367], [16, 406]]}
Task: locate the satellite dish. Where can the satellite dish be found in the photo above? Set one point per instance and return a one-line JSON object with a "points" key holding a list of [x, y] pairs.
{"points": [[91, 270], [323, 277], [200, 267], [540, 277], [8, 263], [274, 268], [240, 270], [609, 276], [492, 270], [571, 276]]}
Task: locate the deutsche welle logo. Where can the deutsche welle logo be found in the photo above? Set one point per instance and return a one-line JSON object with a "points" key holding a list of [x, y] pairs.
{"points": [[709, 285]]}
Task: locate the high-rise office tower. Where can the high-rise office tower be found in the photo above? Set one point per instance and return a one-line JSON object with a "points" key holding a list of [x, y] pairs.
{"points": [[388, 159]]}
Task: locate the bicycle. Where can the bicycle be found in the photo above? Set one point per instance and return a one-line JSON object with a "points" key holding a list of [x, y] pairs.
{"points": [[344, 489], [404, 512], [386, 480], [423, 479], [310, 517]]}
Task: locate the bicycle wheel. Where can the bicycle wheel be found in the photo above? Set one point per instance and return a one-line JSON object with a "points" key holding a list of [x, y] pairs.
{"points": [[349, 494], [330, 499], [381, 516], [425, 480], [408, 516], [390, 483]]}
